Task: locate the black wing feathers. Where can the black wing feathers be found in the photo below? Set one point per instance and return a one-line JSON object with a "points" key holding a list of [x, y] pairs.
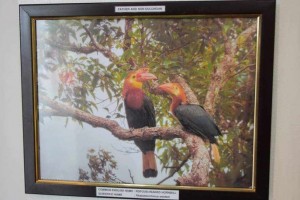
{"points": [[196, 120], [139, 118], [142, 117]]}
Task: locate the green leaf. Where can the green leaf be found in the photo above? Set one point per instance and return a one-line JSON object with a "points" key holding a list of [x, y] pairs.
{"points": [[118, 115], [109, 94], [120, 107], [94, 105]]}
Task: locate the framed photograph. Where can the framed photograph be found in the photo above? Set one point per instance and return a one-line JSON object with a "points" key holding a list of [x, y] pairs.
{"points": [[152, 100]]}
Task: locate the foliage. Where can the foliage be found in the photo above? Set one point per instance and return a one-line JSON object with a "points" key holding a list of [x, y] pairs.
{"points": [[102, 166], [92, 57]]}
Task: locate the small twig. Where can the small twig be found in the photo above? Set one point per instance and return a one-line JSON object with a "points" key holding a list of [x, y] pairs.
{"points": [[119, 180], [127, 151], [176, 169], [233, 75], [131, 176]]}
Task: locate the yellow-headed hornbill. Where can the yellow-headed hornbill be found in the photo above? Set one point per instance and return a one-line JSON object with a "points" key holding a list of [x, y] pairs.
{"points": [[193, 117], [140, 113]]}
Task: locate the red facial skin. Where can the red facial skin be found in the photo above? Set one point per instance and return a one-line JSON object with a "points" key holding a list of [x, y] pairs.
{"points": [[135, 80]]}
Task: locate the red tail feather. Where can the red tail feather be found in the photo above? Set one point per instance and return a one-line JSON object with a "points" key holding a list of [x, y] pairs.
{"points": [[149, 164]]}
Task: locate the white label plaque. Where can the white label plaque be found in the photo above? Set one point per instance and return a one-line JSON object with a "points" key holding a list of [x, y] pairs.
{"points": [[137, 193], [132, 9]]}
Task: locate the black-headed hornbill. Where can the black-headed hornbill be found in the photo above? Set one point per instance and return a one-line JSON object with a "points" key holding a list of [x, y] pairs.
{"points": [[140, 113], [193, 117]]}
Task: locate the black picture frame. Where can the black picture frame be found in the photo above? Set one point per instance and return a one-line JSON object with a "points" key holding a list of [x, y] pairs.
{"points": [[263, 8]]}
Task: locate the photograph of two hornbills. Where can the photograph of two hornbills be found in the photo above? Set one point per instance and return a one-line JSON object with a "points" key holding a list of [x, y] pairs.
{"points": [[166, 101]]}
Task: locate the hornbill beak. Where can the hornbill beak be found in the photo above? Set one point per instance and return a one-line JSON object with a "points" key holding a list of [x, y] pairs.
{"points": [[145, 76], [167, 87]]}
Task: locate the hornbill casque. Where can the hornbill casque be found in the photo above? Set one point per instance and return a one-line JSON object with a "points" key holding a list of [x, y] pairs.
{"points": [[193, 117], [140, 113]]}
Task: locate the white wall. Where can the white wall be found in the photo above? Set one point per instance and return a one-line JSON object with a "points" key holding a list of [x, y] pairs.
{"points": [[285, 163]]}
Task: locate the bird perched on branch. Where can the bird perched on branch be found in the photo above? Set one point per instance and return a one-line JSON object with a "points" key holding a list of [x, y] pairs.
{"points": [[193, 117], [140, 113]]}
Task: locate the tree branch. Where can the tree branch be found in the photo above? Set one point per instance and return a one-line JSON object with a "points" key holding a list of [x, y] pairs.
{"points": [[72, 47], [106, 52], [113, 126], [226, 66], [196, 146], [127, 40], [199, 175]]}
